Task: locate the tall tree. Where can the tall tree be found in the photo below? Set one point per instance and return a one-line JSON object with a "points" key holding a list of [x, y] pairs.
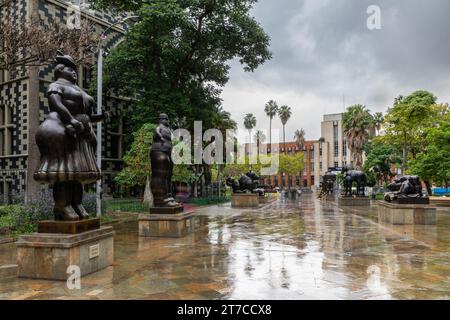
{"points": [[407, 122], [259, 137], [285, 114], [299, 137], [249, 124], [381, 157], [357, 122], [271, 110], [177, 57], [433, 163], [378, 119]]}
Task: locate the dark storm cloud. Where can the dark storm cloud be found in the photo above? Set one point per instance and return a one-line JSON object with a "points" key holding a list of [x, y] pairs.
{"points": [[324, 50]]}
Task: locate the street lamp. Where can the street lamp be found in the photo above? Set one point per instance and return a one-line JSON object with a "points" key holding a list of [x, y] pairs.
{"points": [[99, 107]]}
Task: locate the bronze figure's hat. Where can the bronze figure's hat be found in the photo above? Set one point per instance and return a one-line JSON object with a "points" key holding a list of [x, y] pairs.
{"points": [[65, 60]]}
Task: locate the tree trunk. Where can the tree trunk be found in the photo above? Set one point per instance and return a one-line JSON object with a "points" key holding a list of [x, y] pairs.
{"points": [[428, 186], [270, 135], [148, 196]]}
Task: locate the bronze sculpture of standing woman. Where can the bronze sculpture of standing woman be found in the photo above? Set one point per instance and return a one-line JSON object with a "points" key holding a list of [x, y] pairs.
{"points": [[162, 165], [67, 142]]}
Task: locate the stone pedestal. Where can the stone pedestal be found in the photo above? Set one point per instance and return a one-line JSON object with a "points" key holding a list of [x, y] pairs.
{"points": [[406, 214], [329, 197], [166, 210], [68, 227], [353, 201], [245, 200], [169, 225], [47, 256]]}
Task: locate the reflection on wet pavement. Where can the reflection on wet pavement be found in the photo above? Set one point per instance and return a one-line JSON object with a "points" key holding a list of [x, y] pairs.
{"points": [[303, 249]]}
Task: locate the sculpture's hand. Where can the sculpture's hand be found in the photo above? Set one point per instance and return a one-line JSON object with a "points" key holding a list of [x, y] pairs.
{"points": [[71, 130], [77, 125]]}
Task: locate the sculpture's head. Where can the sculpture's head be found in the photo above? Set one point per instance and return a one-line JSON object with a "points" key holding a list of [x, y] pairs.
{"points": [[66, 68], [164, 119]]}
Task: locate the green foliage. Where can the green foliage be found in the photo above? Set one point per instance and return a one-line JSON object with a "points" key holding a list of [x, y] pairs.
{"points": [[285, 114], [357, 121], [137, 162], [434, 163], [183, 173], [177, 57], [380, 158], [407, 122], [291, 164]]}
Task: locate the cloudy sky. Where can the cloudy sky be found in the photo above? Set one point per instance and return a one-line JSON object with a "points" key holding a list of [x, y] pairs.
{"points": [[323, 52]]}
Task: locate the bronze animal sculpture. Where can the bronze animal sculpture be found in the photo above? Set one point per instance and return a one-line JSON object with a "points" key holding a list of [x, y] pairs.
{"points": [[247, 182], [67, 142], [351, 176]]}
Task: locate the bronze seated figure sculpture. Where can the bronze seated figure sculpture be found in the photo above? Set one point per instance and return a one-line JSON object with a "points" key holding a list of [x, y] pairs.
{"points": [[406, 190], [162, 165], [67, 142], [247, 182]]}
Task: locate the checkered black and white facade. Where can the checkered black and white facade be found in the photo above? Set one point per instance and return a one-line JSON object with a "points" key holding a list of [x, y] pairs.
{"points": [[18, 97]]}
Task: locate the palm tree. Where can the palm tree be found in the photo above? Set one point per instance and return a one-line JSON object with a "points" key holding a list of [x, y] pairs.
{"points": [[249, 124], [271, 110], [299, 137], [357, 122], [378, 120], [285, 114], [259, 137]]}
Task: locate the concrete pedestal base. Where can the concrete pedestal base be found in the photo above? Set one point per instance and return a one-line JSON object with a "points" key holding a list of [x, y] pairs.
{"points": [[47, 256], [353, 201], [329, 197], [245, 200], [406, 214], [168, 226]]}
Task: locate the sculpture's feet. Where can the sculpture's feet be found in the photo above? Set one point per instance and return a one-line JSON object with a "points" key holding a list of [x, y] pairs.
{"points": [[66, 214], [82, 213]]}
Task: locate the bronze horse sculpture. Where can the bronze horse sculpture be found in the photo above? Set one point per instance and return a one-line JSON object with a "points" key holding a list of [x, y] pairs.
{"points": [[350, 176]]}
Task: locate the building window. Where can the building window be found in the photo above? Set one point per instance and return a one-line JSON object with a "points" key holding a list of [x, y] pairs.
{"points": [[312, 180], [344, 148], [320, 166], [336, 139], [6, 131], [116, 151], [320, 149], [336, 164], [276, 181], [5, 192], [311, 154], [312, 166]]}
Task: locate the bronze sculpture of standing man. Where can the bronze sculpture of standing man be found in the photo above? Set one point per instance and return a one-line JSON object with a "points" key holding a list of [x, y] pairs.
{"points": [[162, 165], [67, 142]]}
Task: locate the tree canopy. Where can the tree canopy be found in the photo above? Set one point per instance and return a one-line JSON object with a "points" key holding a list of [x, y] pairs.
{"points": [[176, 58]]}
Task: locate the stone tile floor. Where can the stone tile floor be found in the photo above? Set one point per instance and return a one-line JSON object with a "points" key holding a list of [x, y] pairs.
{"points": [[303, 249]]}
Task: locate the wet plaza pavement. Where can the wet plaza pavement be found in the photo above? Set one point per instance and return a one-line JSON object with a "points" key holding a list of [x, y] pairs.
{"points": [[303, 249]]}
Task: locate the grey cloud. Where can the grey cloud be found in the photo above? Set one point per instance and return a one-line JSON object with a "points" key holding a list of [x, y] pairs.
{"points": [[323, 50]]}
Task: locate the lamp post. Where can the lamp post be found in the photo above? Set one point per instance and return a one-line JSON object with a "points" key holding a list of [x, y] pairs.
{"points": [[99, 107]]}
